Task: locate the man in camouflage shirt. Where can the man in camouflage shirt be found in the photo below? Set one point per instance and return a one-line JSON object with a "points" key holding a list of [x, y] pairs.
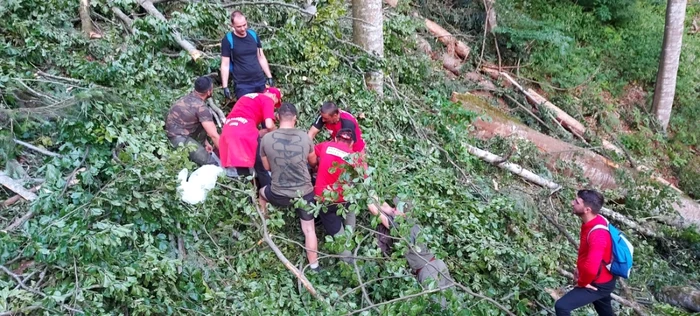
{"points": [[189, 122]]}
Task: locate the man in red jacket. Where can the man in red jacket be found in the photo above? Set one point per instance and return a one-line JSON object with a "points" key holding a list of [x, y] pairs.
{"points": [[594, 282], [332, 156], [238, 144], [335, 119]]}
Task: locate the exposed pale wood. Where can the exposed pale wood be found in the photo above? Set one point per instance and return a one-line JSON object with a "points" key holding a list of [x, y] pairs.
{"points": [[14, 186], [187, 46], [37, 149], [461, 49], [513, 168], [14, 199]]}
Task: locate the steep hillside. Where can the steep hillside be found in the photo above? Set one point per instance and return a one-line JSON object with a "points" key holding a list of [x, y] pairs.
{"points": [[102, 235]]}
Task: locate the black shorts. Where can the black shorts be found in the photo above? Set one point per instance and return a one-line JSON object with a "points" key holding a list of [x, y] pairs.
{"points": [[283, 201], [332, 222]]}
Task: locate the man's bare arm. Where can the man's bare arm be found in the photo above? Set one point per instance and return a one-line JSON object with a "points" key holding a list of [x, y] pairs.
{"points": [[312, 132], [225, 62], [313, 159], [263, 63], [210, 128]]}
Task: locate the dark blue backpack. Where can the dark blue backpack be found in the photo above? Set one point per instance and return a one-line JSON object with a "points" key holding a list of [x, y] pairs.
{"points": [[229, 37], [622, 251]]}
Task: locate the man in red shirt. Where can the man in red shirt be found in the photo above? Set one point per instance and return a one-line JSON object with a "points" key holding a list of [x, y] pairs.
{"points": [[332, 157], [594, 282], [335, 119], [238, 144]]}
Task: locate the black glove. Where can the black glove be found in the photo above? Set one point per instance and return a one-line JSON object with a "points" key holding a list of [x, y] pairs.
{"points": [[270, 82], [227, 93]]}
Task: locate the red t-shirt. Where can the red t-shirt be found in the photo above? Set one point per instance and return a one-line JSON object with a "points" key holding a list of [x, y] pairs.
{"points": [[239, 137], [592, 251], [331, 156], [346, 121]]}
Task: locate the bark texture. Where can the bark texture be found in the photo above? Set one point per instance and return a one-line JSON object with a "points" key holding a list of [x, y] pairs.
{"points": [[367, 33], [191, 49], [668, 64]]}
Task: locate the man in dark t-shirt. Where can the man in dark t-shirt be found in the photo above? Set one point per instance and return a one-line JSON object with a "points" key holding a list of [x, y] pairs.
{"points": [[335, 119], [246, 62]]}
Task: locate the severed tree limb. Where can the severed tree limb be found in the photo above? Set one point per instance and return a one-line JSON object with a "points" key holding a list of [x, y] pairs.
{"points": [[14, 186], [633, 305], [514, 168], [403, 298], [359, 276], [21, 284], [216, 110], [37, 149], [14, 199], [128, 22], [280, 255], [532, 177], [189, 47]]}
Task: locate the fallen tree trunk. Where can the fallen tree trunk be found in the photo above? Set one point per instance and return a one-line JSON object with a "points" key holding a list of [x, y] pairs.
{"points": [[687, 207], [189, 47], [595, 168], [86, 21], [461, 49], [128, 22], [681, 296]]}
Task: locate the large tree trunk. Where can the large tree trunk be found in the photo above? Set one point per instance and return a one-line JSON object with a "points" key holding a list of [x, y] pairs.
{"points": [[191, 49], [86, 21], [367, 33], [668, 64]]}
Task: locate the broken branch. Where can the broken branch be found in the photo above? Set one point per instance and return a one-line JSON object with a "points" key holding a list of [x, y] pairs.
{"points": [[37, 149], [189, 47]]}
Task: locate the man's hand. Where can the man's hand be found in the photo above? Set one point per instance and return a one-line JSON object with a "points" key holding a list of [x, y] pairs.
{"points": [[270, 82], [591, 287], [208, 147], [575, 276], [227, 93]]}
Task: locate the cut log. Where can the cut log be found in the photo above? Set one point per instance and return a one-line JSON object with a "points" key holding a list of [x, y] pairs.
{"points": [[681, 296], [187, 46], [514, 168], [461, 49], [14, 186], [596, 168], [687, 207]]}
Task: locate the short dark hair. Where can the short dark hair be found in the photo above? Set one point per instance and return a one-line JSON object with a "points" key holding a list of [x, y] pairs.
{"points": [[345, 135], [592, 199], [287, 111], [235, 14], [329, 107], [203, 84]]}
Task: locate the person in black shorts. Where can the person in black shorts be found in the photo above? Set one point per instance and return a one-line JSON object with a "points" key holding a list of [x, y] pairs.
{"points": [[286, 152]]}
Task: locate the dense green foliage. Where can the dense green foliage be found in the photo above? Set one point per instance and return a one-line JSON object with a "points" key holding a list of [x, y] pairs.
{"points": [[107, 245]]}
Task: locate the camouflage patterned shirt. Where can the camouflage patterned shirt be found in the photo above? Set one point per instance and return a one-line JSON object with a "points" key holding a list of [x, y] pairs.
{"points": [[186, 116]]}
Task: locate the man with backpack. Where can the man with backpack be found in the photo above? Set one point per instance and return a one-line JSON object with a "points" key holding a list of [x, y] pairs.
{"points": [[603, 255], [242, 56]]}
